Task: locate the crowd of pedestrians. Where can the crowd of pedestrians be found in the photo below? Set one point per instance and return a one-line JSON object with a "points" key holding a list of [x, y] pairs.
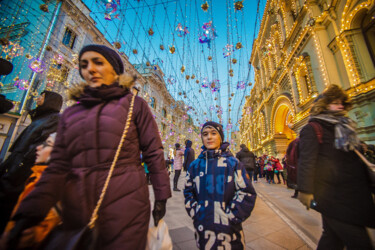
{"points": [[88, 165]]}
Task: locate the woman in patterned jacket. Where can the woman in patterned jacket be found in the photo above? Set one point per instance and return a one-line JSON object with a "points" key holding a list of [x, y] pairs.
{"points": [[218, 193]]}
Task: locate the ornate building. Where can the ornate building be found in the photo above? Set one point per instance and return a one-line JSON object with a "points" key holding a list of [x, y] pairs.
{"points": [[302, 47]]}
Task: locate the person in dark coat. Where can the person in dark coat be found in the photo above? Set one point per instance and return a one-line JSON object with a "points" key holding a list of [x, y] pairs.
{"points": [[218, 193], [189, 155], [247, 158], [87, 139], [332, 178], [15, 170]]}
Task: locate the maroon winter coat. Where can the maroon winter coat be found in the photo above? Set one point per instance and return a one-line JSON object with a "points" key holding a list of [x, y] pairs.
{"points": [[87, 138]]}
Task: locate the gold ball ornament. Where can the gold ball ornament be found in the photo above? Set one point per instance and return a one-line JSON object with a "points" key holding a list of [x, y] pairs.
{"points": [[238, 5], [117, 45], [172, 49], [187, 77], [193, 76], [44, 8], [205, 6], [135, 51], [151, 32], [161, 47], [234, 60]]}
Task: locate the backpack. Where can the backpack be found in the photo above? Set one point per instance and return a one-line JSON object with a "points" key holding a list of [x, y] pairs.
{"points": [[292, 153]]}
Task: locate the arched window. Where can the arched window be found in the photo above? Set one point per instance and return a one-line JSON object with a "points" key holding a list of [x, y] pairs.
{"points": [[368, 29], [164, 113], [153, 102]]}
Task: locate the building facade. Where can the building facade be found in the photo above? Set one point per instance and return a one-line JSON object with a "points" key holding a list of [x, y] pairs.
{"points": [[49, 36], [302, 47]]}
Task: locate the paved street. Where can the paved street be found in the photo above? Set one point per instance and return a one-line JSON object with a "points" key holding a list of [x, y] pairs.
{"points": [[277, 221]]}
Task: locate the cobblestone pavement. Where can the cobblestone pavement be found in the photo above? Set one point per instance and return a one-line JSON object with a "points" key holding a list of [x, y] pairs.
{"points": [[277, 221]]}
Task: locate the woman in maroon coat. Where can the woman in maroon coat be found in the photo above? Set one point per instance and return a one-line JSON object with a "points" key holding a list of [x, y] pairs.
{"points": [[87, 138]]}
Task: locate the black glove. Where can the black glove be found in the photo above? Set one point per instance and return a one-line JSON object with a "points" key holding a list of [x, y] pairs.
{"points": [[16, 233], [159, 211]]}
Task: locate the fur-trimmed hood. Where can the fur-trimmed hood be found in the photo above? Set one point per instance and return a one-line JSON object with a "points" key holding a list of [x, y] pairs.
{"points": [[76, 91]]}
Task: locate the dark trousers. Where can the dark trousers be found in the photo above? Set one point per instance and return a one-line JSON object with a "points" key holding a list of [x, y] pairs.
{"points": [[337, 234], [176, 176], [278, 176], [250, 173]]}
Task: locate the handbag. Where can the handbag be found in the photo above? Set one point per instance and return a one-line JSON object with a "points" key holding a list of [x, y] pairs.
{"points": [[369, 166], [86, 238]]}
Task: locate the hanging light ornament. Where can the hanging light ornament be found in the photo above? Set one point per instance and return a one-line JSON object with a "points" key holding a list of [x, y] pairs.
{"points": [[205, 83], [110, 9], [172, 49], [148, 64], [37, 65], [150, 32], [187, 77], [208, 34], [209, 58], [197, 81], [215, 86], [181, 31], [44, 8], [161, 47], [228, 50], [117, 45], [239, 46], [135, 51], [234, 60], [21, 84], [182, 69], [205, 6], [241, 85], [171, 80], [238, 5], [193, 76]]}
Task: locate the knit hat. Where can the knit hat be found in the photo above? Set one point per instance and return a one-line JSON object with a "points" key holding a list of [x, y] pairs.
{"points": [[112, 57], [217, 126]]}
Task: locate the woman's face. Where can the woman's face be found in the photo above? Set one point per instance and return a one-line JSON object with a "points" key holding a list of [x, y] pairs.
{"points": [[211, 138], [96, 70], [336, 105], [44, 150]]}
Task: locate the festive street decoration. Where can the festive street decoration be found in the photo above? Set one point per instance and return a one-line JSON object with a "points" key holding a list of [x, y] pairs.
{"points": [[238, 5], [205, 83], [44, 8], [117, 45], [234, 60], [37, 65], [135, 51], [182, 69], [241, 85], [181, 31], [215, 86], [208, 34], [161, 47], [239, 46], [150, 32], [22, 84], [12, 50], [228, 50], [192, 76], [209, 58], [111, 9], [172, 49], [205, 6]]}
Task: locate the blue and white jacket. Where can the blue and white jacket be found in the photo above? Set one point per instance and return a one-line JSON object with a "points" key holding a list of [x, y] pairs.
{"points": [[218, 192]]}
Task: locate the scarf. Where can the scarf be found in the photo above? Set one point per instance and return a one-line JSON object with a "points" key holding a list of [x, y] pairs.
{"points": [[346, 138]]}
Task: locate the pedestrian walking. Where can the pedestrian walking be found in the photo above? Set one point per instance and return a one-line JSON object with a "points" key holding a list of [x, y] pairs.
{"points": [[247, 158], [15, 170], [177, 166], [218, 193], [88, 138], [33, 237], [189, 155], [332, 178]]}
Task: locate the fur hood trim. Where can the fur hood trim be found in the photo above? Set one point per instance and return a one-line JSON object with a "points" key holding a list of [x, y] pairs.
{"points": [[76, 90]]}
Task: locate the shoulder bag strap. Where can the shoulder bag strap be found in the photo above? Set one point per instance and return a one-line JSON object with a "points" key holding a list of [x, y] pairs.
{"points": [[318, 131], [94, 215]]}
